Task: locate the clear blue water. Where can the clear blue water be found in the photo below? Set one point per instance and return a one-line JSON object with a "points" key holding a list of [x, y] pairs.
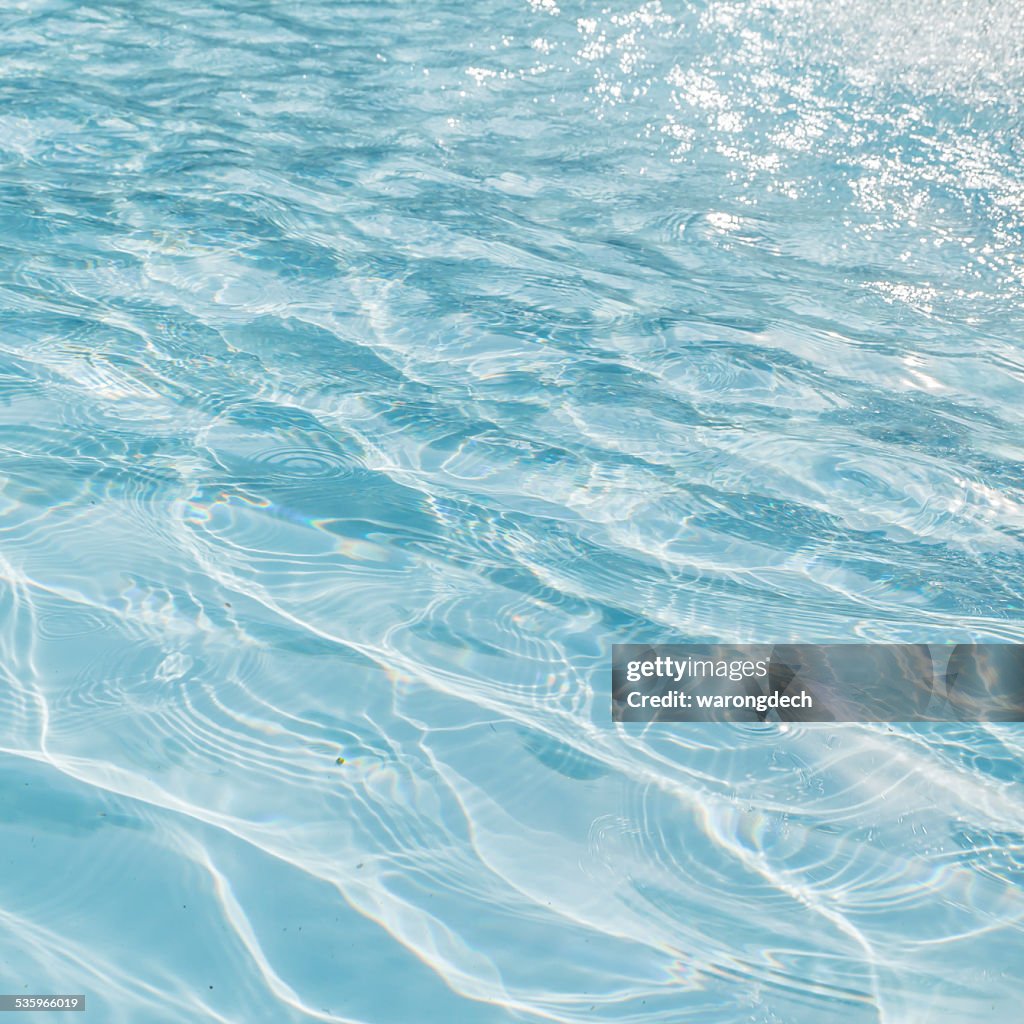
{"points": [[366, 371]]}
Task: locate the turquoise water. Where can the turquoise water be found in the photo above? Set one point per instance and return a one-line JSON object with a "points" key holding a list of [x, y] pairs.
{"points": [[366, 371]]}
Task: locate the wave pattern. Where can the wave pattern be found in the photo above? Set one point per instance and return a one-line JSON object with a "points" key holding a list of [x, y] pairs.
{"points": [[366, 371]]}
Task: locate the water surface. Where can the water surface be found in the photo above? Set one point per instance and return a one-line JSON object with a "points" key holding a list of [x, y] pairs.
{"points": [[366, 371]]}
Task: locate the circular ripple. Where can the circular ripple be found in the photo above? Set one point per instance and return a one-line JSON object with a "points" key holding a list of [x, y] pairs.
{"points": [[305, 462]]}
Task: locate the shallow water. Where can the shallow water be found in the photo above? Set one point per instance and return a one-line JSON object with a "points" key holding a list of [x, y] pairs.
{"points": [[366, 371]]}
